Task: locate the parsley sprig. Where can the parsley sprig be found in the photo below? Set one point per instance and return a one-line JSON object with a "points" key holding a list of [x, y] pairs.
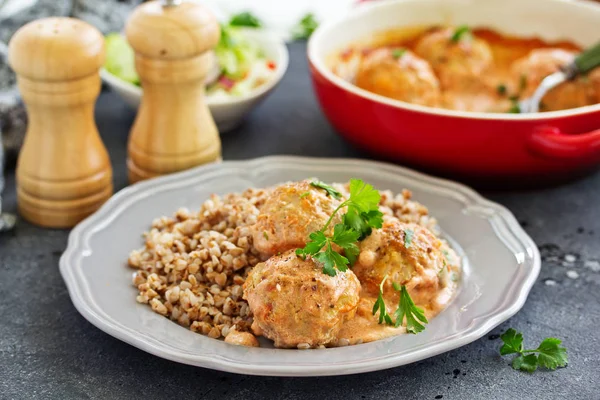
{"points": [[380, 305], [361, 217], [460, 33], [407, 308], [549, 353], [415, 316]]}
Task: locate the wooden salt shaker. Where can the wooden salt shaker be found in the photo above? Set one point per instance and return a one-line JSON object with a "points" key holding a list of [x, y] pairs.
{"points": [[174, 129], [63, 171]]}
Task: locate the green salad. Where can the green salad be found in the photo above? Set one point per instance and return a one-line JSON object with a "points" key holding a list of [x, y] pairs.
{"points": [[242, 65]]}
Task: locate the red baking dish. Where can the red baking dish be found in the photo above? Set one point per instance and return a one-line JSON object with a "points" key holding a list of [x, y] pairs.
{"points": [[545, 146]]}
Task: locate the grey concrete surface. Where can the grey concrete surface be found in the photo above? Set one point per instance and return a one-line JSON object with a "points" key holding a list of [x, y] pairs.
{"points": [[49, 351]]}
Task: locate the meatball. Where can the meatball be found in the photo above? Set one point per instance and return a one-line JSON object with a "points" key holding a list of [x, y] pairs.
{"points": [[289, 215], [408, 254], [530, 70], [294, 303], [459, 64], [399, 74]]}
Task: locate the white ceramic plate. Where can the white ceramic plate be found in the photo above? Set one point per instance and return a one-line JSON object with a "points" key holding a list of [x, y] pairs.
{"points": [[227, 113], [501, 264]]}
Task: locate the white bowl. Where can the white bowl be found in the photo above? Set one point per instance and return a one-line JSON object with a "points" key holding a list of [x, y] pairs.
{"points": [[500, 264], [227, 113]]}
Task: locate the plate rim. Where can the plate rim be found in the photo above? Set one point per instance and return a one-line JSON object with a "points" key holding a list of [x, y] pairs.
{"points": [[71, 258]]}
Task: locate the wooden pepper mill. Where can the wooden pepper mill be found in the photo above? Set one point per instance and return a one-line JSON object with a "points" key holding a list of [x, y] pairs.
{"points": [[63, 171], [174, 129]]}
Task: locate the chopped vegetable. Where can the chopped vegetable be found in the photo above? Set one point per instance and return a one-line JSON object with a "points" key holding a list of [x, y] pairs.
{"points": [[514, 108], [460, 33], [305, 27], [380, 306], [407, 308], [522, 82], [329, 189], [408, 235], [120, 58], [549, 353], [398, 53], [362, 215], [235, 54], [501, 89], [246, 19]]}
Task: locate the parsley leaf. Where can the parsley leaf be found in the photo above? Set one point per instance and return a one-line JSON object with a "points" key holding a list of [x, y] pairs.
{"points": [[460, 33], [379, 305], [329, 189], [550, 354], [245, 19], [361, 217], [363, 196], [305, 27], [331, 259], [343, 237], [398, 53], [528, 363], [501, 89], [513, 342], [407, 308], [408, 235], [351, 252]]}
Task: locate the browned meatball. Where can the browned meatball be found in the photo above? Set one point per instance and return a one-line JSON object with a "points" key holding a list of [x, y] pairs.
{"points": [[399, 74], [408, 254], [289, 215], [295, 304], [530, 70], [459, 65]]}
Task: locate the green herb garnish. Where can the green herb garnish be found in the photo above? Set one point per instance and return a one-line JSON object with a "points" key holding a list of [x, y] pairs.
{"points": [[460, 33], [514, 108], [305, 27], [329, 189], [408, 235], [501, 89], [522, 82], [549, 353], [265, 235], [303, 195], [362, 215], [380, 306], [398, 53], [245, 19], [407, 308]]}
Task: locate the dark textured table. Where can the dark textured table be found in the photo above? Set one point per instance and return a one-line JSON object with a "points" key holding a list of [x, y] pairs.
{"points": [[47, 350]]}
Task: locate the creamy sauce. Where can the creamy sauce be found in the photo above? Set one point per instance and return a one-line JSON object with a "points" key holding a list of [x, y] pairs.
{"points": [[486, 98], [364, 327]]}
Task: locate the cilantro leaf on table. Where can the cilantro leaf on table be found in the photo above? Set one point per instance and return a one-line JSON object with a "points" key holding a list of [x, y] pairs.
{"points": [[527, 363], [513, 342], [550, 354], [415, 316]]}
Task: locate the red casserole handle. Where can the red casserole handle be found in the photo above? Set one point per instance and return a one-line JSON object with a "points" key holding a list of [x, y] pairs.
{"points": [[552, 142]]}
